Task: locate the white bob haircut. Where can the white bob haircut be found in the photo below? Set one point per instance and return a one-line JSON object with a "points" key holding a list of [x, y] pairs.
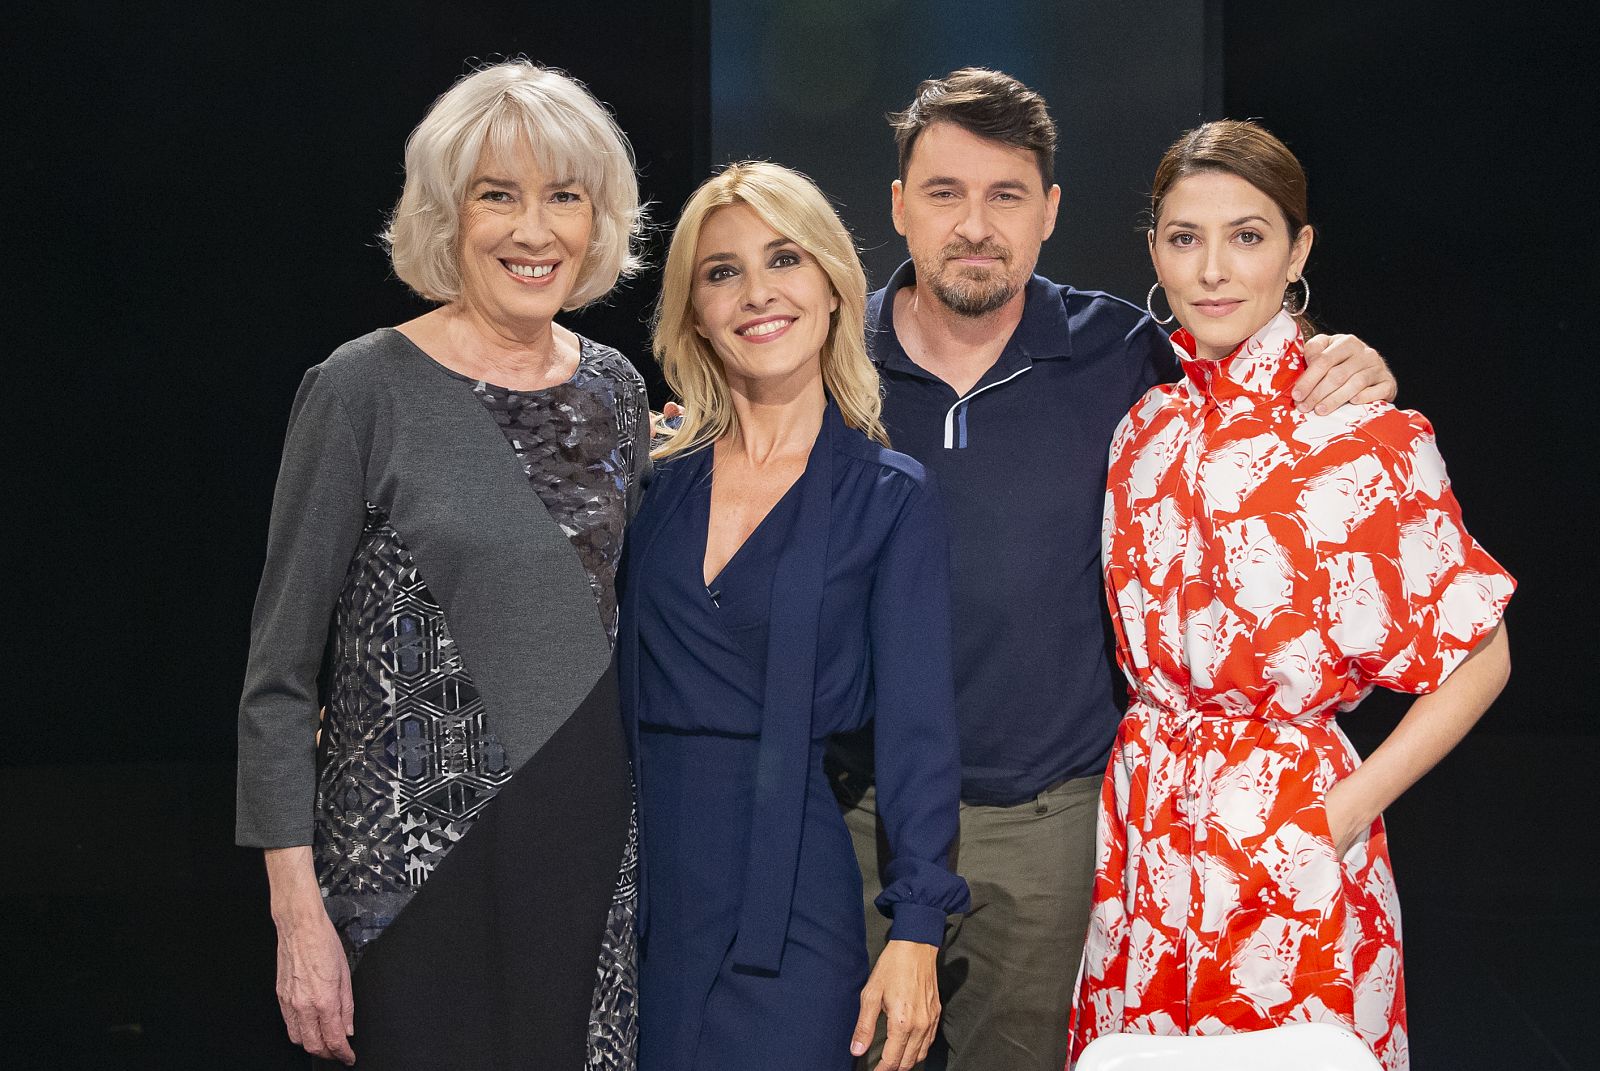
{"points": [[506, 107]]}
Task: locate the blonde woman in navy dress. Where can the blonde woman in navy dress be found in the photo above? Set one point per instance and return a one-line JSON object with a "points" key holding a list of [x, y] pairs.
{"points": [[786, 579]]}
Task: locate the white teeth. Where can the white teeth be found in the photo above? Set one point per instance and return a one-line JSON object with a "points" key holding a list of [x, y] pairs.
{"points": [[765, 328], [531, 271]]}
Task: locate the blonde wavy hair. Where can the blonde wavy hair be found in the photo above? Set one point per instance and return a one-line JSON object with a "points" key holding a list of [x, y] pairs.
{"points": [[791, 204], [504, 107]]}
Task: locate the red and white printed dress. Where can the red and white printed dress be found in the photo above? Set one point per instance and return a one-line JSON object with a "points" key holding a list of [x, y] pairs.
{"points": [[1265, 568]]}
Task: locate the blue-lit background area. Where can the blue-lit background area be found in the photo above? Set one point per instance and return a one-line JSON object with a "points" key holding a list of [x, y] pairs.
{"points": [[808, 83]]}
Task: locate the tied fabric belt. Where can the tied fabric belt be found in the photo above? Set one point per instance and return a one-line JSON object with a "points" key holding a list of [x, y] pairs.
{"points": [[1169, 739], [1172, 732]]}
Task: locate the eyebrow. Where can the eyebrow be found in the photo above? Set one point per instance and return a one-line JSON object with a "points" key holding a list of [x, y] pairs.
{"points": [[776, 243], [1232, 223], [513, 184], [947, 180]]}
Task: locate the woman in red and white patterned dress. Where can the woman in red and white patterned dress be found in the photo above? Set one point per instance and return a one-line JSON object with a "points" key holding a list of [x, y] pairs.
{"points": [[1266, 569]]}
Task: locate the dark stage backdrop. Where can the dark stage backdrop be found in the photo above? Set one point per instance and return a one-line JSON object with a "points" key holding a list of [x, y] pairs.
{"points": [[1451, 155], [1452, 163], [809, 85], [199, 193], [192, 194]]}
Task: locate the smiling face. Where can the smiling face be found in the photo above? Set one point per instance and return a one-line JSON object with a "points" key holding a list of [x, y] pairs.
{"points": [[973, 212], [1223, 253], [763, 303], [522, 242]]}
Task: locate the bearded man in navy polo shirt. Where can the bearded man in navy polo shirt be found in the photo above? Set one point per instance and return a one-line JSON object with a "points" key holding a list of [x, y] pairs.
{"points": [[1008, 387]]}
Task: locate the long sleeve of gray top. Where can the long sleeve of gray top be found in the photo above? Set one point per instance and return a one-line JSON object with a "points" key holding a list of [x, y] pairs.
{"points": [[318, 511]]}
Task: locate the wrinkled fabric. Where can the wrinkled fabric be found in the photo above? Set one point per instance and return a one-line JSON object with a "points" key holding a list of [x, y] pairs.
{"points": [[1266, 569], [834, 612]]}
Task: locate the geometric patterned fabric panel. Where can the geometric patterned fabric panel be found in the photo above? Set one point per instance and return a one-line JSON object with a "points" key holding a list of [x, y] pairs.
{"points": [[613, 1016], [576, 442], [406, 759]]}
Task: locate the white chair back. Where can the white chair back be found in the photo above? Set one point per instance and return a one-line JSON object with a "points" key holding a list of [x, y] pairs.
{"points": [[1300, 1047]]}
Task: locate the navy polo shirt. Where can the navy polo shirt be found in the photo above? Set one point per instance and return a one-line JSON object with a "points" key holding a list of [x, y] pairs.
{"points": [[1021, 464]]}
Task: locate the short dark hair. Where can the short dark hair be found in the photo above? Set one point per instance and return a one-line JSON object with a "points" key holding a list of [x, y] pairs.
{"points": [[982, 102]]}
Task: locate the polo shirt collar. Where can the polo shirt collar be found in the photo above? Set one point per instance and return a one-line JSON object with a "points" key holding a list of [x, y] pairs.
{"points": [[1043, 333]]}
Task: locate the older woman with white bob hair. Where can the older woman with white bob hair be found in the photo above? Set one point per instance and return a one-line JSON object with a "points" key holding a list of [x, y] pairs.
{"points": [[450, 843]]}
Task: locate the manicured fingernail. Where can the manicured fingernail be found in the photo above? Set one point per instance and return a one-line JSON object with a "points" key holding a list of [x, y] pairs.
{"points": [[856, 1048]]}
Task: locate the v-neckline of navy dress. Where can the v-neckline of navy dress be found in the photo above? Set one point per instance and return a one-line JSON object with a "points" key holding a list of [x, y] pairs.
{"points": [[779, 518]]}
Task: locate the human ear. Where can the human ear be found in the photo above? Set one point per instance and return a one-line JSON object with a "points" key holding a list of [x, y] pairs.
{"points": [[1052, 202], [897, 206], [1299, 252]]}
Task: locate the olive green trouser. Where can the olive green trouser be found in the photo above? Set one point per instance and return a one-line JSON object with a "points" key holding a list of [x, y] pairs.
{"points": [[1007, 970]]}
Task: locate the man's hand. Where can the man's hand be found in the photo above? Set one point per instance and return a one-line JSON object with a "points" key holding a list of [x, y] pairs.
{"points": [[1340, 369]]}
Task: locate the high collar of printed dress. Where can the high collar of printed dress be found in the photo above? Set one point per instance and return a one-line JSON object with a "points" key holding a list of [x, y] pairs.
{"points": [[1263, 366]]}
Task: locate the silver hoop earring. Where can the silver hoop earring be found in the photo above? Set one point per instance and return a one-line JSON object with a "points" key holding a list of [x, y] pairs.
{"points": [[1150, 297], [1305, 298]]}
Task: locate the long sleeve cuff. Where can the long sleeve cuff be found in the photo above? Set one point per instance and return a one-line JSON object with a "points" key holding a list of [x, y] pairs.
{"points": [[918, 922]]}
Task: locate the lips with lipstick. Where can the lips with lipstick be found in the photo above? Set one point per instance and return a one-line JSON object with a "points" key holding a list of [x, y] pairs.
{"points": [[1216, 307], [764, 329]]}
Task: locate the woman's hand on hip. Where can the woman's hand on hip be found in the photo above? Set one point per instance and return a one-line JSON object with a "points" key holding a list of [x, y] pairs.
{"points": [[313, 975], [904, 988]]}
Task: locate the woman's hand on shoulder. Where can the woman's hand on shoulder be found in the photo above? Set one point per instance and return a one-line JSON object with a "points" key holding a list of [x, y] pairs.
{"points": [[1340, 369], [664, 423], [904, 989]]}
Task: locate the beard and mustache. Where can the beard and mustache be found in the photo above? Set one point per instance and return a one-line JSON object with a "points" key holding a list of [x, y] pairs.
{"points": [[967, 291]]}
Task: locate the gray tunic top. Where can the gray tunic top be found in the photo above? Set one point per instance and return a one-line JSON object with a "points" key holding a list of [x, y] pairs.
{"points": [[444, 617]]}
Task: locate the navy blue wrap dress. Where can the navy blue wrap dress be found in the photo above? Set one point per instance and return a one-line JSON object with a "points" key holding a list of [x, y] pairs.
{"points": [[835, 612]]}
